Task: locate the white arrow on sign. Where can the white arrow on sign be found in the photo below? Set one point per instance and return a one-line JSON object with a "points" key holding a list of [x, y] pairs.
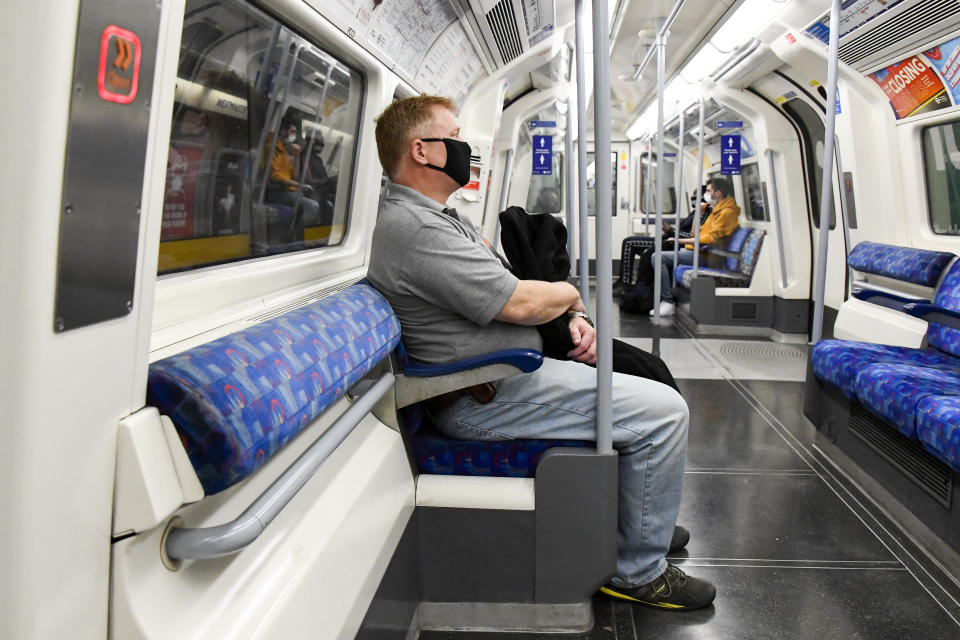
{"points": [[543, 142], [541, 159], [729, 159], [730, 142]]}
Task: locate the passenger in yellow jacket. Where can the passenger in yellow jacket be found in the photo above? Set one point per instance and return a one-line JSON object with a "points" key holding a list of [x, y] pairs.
{"points": [[715, 231]]}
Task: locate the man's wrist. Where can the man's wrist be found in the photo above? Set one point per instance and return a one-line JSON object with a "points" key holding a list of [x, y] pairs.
{"points": [[579, 314]]}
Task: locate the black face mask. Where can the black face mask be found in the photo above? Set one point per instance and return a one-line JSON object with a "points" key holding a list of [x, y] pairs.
{"points": [[458, 159]]}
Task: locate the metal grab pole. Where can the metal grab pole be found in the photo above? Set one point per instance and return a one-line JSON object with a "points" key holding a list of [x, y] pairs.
{"points": [[678, 202], [504, 190], [777, 224], [658, 230], [844, 208], [696, 205], [603, 225], [305, 156], [584, 253], [568, 180], [826, 193], [646, 214]]}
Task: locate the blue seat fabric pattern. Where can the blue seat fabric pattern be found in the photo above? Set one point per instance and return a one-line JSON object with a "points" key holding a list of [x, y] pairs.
{"points": [[437, 454], [237, 400], [948, 297], [735, 245], [938, 428], [918, 266], [893, 391], [840, 361], [739, 271]]}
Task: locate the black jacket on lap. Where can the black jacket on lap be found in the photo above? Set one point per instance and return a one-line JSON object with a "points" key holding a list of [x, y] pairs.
{"points": [[536, 247]]}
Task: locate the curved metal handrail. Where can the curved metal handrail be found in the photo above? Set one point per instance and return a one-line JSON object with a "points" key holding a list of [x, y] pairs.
{"points": [[212, 542]]}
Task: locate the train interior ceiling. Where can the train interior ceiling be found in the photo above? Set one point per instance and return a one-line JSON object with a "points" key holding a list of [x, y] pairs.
{"points": [[195, 180]]}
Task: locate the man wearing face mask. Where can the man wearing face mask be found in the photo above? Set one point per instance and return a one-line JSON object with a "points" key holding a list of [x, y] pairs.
{"points": [[455, 298], [716, 229], [283, 185]]}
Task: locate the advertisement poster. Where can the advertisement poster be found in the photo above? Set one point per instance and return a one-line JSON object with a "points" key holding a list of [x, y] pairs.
{"points": [[183, 163], [912, 86], [945, 58]]}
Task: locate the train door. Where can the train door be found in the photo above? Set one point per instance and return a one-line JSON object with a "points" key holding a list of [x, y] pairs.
{"points": [[620, 194], [806, 110]]}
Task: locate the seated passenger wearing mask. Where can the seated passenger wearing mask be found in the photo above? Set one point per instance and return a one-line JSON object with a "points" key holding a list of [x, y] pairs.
{"points": [[722, 222], [455, 299], [284, 182]]}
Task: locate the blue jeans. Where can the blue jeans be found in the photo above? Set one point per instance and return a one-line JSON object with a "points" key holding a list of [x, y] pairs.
{"points": [[684, 256], [558, 401]]}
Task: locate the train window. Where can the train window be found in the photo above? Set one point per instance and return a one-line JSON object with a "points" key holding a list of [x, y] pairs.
{"points": [[545, 194], [591, 184], [753, 196], [941, 167], [812, 136], [263, 141], [647, 194]]}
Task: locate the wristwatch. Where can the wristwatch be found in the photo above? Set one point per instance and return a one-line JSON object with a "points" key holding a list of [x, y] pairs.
{"points": [[580, 314]]}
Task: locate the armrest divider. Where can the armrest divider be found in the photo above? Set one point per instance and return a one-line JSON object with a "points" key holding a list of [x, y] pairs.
{"points": [[933, 313]]}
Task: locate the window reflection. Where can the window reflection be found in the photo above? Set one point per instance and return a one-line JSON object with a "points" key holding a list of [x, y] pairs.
{"points": [[262, 142], [941, 167]]}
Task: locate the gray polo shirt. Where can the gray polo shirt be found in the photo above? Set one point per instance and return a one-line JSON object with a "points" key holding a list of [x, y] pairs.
{"points": [[443, 281]]}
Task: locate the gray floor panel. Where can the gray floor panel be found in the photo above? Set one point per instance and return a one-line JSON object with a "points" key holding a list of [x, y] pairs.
{"points": [[750, 516]]}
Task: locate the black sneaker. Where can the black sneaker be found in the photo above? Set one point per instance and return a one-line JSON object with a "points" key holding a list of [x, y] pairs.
{"points": [[679, 540], [673, 590]]}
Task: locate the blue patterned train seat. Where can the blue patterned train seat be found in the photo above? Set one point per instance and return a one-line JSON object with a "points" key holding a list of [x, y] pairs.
{"points": [[237, 400], [437, 454], [739, 270], [840, 361], [893, 391], [917, 266], [938, 427]]}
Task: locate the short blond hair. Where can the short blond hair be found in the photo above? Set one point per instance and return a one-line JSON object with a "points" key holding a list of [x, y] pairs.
{"points": [[403, 122]]}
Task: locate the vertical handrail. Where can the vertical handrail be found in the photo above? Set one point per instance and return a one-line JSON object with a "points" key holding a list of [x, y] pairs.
{"points": [[844, 215], [504, 190], [658, 230], [268, 57], [777, 224], [278, 116], [679, 200], [568, 180], [826, 193], [305, 156], [696, 205], [584, 253], [603, 226], [268, 116], [646, 214]]}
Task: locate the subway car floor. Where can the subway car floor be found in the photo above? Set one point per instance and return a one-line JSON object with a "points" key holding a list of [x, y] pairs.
{"points": [[795, 550]]}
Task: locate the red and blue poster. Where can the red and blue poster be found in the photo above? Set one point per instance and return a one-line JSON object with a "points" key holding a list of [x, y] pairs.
{"points": [[945, 58], [912, 87]]}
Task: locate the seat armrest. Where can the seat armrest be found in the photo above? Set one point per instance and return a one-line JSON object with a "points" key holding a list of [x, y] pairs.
{"points": [[417, 382], [867, 294], [933, 313]]}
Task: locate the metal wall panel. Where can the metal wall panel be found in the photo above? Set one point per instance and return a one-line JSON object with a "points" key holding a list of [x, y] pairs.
{"points": [[106, 151]]}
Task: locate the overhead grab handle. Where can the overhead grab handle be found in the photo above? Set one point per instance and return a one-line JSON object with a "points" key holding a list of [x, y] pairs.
{"points": [[224, 539]]}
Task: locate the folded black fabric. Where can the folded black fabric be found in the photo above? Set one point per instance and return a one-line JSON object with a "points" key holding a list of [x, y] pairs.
{"points": [[536, 247]]}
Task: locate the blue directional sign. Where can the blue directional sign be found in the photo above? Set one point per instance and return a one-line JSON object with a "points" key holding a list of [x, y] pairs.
{"points": [[730, 155], [542, 155], [730, 124], [538, 124]]}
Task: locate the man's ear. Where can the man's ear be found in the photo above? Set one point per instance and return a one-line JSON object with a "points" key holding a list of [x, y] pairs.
{"points": [[418, 151]]}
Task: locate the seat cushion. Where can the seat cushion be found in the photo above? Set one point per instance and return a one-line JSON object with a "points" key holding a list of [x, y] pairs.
{"points": [[938, 427], [237, 400], [735, 245], [839, 361], [437, 454], [908, 264], [893, 391], [948, 297], [684, 276], [751, 252]]}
